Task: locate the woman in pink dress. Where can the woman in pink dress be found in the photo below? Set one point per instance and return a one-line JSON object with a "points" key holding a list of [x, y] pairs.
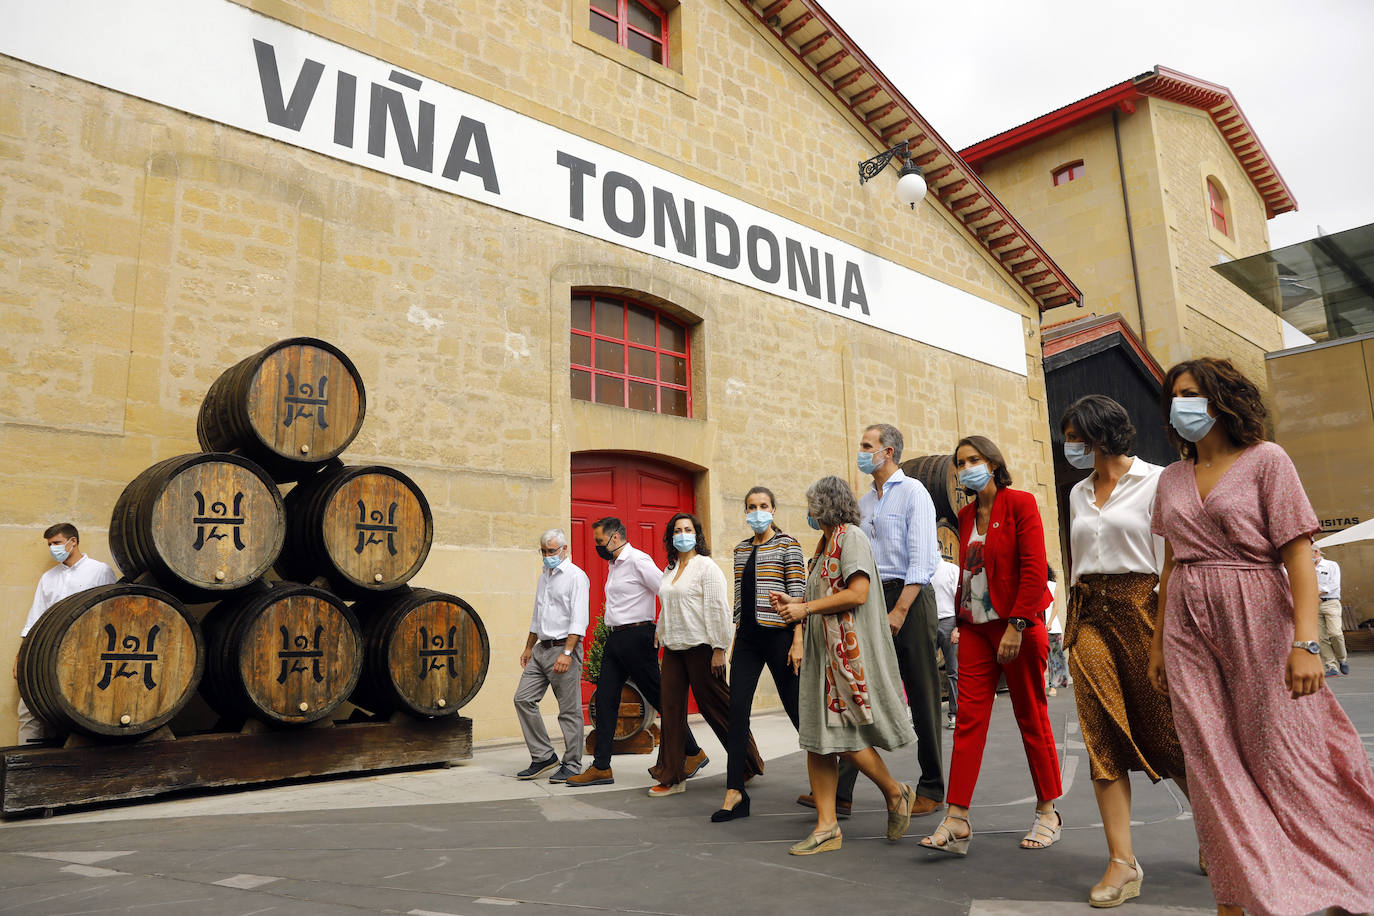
{"points": [[1282, 791]]}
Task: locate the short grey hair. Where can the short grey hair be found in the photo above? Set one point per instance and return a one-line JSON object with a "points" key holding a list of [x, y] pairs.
{"points": [[548, 538], [889, 436], [830, 501]]}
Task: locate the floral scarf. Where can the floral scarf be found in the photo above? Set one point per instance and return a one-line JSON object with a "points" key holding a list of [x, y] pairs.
{"points": [[846, 690]]}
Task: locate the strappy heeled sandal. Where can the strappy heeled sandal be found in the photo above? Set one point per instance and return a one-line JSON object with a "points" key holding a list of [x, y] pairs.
{"points": [[1107, 895], [1042, 835], [819, 842], [945, 840]]}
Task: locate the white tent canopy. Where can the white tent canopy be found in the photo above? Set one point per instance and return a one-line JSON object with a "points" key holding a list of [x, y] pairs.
{"points": [[1364, 531]]}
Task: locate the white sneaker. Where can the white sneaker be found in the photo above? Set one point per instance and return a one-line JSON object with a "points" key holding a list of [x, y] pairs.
{"points": [[949, 722]]}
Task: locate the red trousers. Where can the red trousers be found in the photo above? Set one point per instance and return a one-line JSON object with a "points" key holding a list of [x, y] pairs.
{"points": [[979, 673]]}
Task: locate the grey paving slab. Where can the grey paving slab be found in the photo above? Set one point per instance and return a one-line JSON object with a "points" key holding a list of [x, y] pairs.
{"points": [[526, 849]]}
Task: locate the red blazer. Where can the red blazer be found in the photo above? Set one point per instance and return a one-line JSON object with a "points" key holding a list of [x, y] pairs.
{"points": [[1013, 555]]}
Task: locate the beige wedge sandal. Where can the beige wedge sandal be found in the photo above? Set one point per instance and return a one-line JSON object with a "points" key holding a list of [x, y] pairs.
{"points": [[945, 840]]}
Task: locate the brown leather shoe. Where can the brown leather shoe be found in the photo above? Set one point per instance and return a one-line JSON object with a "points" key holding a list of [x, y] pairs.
{"points": [[592, 777], [693, 763], [842, 808], [922, 805]]}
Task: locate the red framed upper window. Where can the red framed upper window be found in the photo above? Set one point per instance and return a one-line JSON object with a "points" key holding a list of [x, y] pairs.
{"points": [[630, 355], [1066, 173], [635, 24], [1216, 202]]}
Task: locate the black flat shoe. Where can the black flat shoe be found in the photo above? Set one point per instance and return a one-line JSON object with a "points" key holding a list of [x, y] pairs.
{"points": [[741, 809]]}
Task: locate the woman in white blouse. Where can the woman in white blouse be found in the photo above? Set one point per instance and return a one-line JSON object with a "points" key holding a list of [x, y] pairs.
{"points": [[1112, 599], [694, 629]]}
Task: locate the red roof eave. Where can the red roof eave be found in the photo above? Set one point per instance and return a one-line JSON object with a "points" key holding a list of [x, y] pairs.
{"points": [[1047, 125]]}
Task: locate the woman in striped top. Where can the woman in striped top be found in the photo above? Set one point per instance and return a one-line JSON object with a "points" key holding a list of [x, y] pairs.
{"points": [[770, 561]]}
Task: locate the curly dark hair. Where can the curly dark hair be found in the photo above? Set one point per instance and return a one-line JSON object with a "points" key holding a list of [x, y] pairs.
{"points": [[701, 547], [1234, 399], [989, 450], [830, 501], [1102, 422]]}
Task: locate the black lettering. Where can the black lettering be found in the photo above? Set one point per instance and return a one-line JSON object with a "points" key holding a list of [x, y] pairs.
{"points": [[610, 184], [854, 287], [773, 271], [578, 169], [811, 279], [345, 104], [285, 114], [472, 134], [729, 258], [387, 104], [684, 225]]}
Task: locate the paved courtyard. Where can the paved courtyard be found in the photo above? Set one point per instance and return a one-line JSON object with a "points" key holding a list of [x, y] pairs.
{"points": [[470, 840]]}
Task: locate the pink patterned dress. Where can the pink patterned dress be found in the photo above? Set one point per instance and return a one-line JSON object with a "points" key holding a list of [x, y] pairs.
{"points": [[1282, 790]]}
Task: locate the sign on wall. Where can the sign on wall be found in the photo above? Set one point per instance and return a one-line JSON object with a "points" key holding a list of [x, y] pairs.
{"points": [[217, 60]]}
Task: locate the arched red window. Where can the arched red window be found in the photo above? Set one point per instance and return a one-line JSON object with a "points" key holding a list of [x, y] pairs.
{"points": [[1066, 173], [635, 24], [629, 354], [1216, 202]]}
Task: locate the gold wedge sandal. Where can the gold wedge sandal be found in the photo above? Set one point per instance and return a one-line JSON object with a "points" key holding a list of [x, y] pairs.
{"points": [[819, 842], [1106, 895]]}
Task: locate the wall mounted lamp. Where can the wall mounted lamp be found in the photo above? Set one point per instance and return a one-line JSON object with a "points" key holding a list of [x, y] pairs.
{"points": [[911, 184]]}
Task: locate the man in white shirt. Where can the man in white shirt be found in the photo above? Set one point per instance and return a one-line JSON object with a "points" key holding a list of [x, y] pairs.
{"points": [[553, 658], [629, 652], [944, 584], [1331, 627], [74, 572]]}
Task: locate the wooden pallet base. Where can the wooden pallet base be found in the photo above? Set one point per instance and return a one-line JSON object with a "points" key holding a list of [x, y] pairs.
{"points": [[42, 779]]}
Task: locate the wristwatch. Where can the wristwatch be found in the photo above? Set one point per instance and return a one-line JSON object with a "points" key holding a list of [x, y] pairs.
{"points": [[1311, 646], [1020, 623], [568, 652]]}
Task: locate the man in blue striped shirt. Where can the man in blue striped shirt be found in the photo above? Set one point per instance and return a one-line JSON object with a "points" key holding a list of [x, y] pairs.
{"points": [[899, 518]]}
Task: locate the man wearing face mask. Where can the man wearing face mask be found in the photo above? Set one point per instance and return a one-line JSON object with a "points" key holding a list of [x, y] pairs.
{"points": [[73, 573], [553, 658], [899, 519], [629, 653]]}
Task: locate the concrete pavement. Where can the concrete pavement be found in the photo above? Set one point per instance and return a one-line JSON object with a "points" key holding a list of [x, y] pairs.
{"points": [[472, 840]]}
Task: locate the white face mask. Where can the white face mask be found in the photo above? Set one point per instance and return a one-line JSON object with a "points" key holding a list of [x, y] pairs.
{"points": [[59, 552]]}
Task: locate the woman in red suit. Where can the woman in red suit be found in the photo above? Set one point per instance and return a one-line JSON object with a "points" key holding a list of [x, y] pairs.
{"points": [[1001, 601]]}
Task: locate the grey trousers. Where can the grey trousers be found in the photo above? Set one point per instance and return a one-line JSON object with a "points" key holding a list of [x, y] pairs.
{"points": [[950, 651], [31, 728], [1331, 632], [537, 678]]}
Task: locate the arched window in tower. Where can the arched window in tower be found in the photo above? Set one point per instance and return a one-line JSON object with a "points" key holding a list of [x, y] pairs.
{"points": [[1220, 207]]}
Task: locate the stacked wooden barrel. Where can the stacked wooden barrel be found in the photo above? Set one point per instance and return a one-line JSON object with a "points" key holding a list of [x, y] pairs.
{"points": [[281, 644]]}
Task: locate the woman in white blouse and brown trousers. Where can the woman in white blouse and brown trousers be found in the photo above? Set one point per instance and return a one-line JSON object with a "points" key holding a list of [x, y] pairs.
{"points": [[1112, 600], [694, 628]]}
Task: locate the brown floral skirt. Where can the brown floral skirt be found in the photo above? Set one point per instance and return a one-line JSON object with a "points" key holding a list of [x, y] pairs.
{"points": [[1126, 724]]}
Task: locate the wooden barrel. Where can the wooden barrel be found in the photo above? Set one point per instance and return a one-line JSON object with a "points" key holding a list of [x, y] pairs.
{"points": [[117, 659], [290, 407], [202, 524], [947, 536], [288, 654], [425, 653], [365, 529], [635, 714], [937, 473]]}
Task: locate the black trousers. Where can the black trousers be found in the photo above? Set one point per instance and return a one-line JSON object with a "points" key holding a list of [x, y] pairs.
{"points": [[755, 648], [627, 655], [915, 645]]}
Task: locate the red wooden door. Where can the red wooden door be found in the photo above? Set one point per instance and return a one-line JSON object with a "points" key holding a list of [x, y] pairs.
{"points": [[642, 493]]}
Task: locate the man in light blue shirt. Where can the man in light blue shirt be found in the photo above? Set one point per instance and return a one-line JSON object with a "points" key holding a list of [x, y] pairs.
{"points": [[899, 518]]}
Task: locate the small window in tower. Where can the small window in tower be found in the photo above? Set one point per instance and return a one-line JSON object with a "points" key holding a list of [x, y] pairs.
{"points": [[1217, 203], [1066, 173], [635, 24]]}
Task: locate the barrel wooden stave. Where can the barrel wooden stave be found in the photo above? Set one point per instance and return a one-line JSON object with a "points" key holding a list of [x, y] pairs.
{"points": [[290, 407], [115, 660], [276, 650], [366, 529], [201, 524], [937, 474], [426, 653]]}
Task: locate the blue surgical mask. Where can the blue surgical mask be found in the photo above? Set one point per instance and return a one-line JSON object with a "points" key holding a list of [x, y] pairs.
{"points": [[552, 562], [975, 476], [684, 541], [1190, 419], [867, 464], [1079, 455], [811, 520], [760, 520], [59, 552]]}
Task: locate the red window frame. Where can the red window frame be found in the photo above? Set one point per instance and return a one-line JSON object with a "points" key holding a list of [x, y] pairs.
{"points": [[622, 372], [1066, 173], [621, 17], [1216, 200]]}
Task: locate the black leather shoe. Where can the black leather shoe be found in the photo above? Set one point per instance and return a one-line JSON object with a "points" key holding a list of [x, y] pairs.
{"points": [[537, 768], [741, 809]]}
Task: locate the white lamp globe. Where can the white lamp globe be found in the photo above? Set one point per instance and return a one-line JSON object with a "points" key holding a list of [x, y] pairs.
{"points": [[911, 186]]}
